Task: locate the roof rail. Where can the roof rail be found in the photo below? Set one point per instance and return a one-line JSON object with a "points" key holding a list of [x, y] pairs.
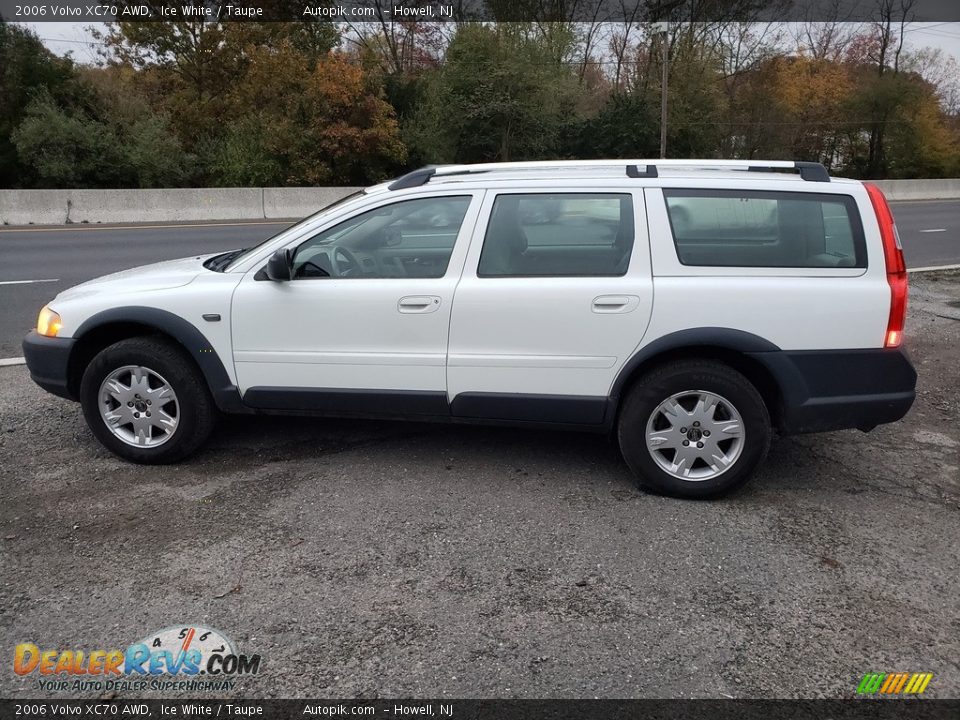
{"points": [[539, 165], [416, 178], [649, 171], [813, 171], [810, 171]]}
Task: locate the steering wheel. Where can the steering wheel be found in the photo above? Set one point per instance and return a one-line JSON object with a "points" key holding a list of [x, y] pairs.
{"points": [[345, 263]]}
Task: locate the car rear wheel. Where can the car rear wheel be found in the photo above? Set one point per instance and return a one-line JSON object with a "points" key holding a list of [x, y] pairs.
{"points": [[146, 401], [694, 429]]}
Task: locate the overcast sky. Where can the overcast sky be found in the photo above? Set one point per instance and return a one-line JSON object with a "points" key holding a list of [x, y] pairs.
{"points": [[75, 38]]}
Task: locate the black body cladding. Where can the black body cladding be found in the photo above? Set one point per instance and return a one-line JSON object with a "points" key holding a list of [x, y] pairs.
{"points": [[816, 390]]}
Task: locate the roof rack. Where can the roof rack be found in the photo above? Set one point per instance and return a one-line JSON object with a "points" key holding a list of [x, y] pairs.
{"points": [[418, 177], [810, 171]]}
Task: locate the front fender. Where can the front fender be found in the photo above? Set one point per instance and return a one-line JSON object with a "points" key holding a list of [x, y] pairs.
{"points": [[224, 392]]}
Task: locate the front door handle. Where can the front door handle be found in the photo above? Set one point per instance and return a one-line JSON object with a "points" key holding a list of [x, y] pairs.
{"points": [[615, 303], [418, 304]]}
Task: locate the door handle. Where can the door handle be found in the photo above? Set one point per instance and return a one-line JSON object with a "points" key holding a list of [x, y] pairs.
{"points": [[418, 304], [615, 303]]}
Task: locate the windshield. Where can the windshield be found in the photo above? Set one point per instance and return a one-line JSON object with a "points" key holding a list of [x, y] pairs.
{"points": [[238, 256]]}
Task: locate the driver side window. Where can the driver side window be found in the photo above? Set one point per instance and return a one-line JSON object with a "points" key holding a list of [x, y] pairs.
{"points": [[410, 238]]}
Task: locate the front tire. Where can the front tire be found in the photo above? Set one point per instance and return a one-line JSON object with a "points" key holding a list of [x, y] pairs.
{"points": [[693, 429], [146, 401]]}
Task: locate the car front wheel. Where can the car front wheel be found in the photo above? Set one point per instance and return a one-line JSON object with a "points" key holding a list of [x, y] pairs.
{"points": [[146, 401]]}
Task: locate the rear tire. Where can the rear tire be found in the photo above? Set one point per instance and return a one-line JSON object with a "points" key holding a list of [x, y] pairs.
{"points": [[693, 429], [146, 401]]}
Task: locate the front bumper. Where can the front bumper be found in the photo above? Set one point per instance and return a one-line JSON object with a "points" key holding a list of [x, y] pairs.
{"points": [[48, 359], [838, 389]]}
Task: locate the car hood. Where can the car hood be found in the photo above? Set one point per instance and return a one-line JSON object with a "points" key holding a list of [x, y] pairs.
{"points": [[158, 276]]}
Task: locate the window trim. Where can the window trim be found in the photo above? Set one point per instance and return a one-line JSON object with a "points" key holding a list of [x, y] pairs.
{"points": [[861, 258], [621, 194]]}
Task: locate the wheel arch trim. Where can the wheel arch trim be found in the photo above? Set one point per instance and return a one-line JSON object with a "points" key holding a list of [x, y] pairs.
{"points": [[225, 393], [717, 338]]}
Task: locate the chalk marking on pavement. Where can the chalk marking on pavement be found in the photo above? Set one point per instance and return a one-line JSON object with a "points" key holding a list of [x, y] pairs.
{"points": [[169, 226], [4, 362], [933, 268], [27, 282], [934, 230]]}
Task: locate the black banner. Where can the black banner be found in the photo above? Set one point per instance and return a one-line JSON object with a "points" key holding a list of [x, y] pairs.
{"points": [[892, 709], [379, 11]]}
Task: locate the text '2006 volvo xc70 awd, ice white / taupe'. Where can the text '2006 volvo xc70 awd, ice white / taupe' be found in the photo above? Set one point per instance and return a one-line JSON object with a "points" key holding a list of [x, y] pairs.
{"points": [[689, 307]]}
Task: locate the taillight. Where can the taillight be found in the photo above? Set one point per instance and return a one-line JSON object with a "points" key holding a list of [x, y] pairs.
{"points": [[896, 267]]}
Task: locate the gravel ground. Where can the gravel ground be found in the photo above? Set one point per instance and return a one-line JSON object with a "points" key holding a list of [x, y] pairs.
{"points": [[382, 559]]}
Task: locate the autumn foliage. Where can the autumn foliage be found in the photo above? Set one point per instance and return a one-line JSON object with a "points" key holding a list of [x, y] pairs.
{"points": [[274, 104]]}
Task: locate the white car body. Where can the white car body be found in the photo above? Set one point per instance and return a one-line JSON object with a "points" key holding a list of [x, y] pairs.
{"points": [[555, 349]]}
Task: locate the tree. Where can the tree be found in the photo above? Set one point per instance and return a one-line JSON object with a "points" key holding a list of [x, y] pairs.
{"points": [[191, 67], [880, 95], [627, 125], [812, 97], [67, 150], [153, 154], [696, 98], [112, 140], [920, 143], [501, 95], [26, 68], [302, 125]]}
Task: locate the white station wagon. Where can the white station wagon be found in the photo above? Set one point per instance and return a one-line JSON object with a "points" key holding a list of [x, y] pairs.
{"points": [[688, 307]]}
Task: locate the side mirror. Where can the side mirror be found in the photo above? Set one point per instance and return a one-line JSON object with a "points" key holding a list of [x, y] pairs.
{"points": [[279, 267]]}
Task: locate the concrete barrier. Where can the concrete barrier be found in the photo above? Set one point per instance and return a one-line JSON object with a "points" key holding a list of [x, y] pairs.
{"points": [[56, 207], [40, 207], [111, 206], [300, 202], [920, 189]]}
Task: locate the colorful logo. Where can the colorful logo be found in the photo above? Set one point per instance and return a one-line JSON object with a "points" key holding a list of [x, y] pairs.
{"points": [[898, 683], [180, 651]]}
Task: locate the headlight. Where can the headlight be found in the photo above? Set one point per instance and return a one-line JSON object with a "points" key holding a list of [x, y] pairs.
{"points": [[48, 323]]}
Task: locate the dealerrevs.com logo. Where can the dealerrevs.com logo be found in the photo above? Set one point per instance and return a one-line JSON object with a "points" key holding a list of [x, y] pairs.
{"points": [[187, 657]]}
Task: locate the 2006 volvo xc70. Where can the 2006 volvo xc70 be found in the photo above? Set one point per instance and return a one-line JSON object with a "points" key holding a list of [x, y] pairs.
{"points": [[687, 306]]}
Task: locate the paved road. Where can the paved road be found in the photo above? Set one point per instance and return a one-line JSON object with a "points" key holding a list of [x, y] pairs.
{"points": [[73, 254], [930, 232]]}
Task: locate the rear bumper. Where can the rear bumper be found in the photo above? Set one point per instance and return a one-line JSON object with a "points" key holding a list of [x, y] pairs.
{"points": [[837, 389], [47, 359]]}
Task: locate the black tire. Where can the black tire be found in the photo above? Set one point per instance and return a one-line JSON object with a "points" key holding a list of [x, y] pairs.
{"points": [[692, 375], [196, 412]]}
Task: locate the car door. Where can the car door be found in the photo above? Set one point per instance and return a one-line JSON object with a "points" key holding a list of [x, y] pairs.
{"points": [[555, 296], [363, 324]]}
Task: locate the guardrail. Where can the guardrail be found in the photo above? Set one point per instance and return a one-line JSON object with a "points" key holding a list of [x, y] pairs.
{"points": [[58, 207]]}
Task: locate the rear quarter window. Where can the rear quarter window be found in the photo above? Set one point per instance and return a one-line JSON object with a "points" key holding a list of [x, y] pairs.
{"points": [[734, 228]]}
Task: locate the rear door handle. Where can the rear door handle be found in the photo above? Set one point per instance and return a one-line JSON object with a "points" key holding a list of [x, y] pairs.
{"points": [[418, 304], [606, 304]]}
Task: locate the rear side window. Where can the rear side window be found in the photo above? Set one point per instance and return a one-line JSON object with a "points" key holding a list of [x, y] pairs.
{"points": [[734, 228], [558, 234]]}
